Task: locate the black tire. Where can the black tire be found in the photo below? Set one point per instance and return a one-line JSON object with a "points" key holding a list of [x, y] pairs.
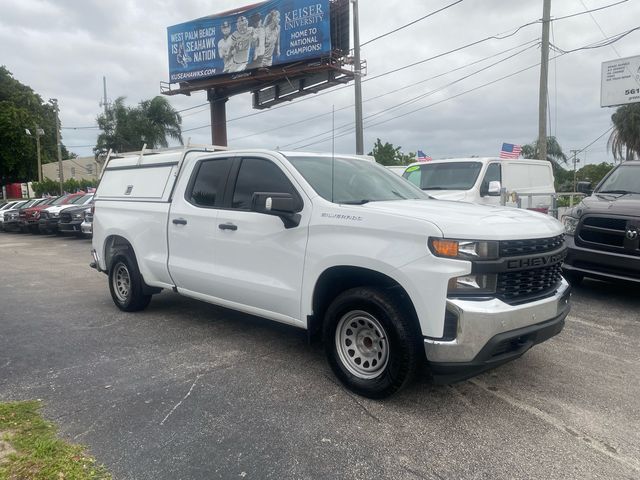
{"points": [[573, 278], [372, 320], [125, 284]]}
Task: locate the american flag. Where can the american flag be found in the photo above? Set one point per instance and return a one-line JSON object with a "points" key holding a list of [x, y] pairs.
{"points": [[423, 157], [509, 150]]}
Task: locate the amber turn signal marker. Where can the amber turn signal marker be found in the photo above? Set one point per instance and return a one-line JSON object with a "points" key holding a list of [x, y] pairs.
{"points": [[445, 248]]}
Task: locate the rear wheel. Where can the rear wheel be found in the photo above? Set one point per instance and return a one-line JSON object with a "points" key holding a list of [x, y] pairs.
{"points": [[372, 342], [125, 284]]}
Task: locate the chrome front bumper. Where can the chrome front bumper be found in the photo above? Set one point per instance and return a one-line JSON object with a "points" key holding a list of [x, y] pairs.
{"points": [[480, 321]]}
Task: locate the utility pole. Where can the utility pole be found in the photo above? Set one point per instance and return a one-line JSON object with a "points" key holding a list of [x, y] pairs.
{"points": [[358, 80], [39, 132], [544, 74], [575, 161], [104, 101], [61, 174]]}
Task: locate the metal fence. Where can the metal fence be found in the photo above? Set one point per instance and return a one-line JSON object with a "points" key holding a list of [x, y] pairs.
{"points": [[554, 208]]}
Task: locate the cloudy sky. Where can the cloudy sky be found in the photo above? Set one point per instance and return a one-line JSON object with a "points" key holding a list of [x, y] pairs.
{"points": [[63, 48]]}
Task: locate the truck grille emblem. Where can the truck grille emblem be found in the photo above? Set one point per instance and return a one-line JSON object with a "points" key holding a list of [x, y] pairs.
{"points": [[631, 234]]}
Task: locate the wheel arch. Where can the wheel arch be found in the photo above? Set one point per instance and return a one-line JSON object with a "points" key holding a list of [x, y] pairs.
{"points": [[114, 245], [337, 279]]}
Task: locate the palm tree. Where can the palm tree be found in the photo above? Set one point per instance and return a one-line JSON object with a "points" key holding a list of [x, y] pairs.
{"points": [[158, 121], [128, 128], [554, 152], [626, 132]]}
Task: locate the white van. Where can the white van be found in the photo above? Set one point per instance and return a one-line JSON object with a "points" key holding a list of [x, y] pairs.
{"points": [[479, 180]]}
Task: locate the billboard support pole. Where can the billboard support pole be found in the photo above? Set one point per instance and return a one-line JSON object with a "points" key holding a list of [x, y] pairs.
{"points": [[217, 101], [358, 80]]}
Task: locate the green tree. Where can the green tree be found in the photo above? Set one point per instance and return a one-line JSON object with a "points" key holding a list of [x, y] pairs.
{"points": [[21, 108], [129, 128], [52, 187], [624, 140], [594, 173], [554, 152], [387, 154]]}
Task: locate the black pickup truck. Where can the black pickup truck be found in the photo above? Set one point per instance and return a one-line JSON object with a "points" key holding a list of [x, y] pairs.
{"points": [[603, 231]]}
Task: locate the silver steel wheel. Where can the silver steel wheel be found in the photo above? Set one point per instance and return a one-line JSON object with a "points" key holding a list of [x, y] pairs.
{"points": [[362, 345], [121, 282]]}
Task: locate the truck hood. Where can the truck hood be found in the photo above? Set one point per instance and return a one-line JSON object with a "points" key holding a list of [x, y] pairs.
{"points": [[471, 221], [456, 195], [610, 204], [59, 208]]}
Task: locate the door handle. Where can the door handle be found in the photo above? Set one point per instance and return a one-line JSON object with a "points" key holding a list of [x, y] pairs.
{"points": [[179, 221], [227, 226]]}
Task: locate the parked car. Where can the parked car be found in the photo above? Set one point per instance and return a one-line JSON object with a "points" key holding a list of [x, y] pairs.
{"points": [[11, 208], [29, 216], [603, 230], [49, 216], [480, 180], [15, 221], [87, 224], [339, 246], [72, 219]]}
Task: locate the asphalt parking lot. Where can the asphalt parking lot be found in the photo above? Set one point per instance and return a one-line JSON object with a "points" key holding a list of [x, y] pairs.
{"points": [[186, 390]]}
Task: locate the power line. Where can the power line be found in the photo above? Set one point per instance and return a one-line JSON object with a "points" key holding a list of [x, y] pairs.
{"points": [[440, 55], [431, 104], [603, 134], [604, 43], [589, 11], [405, 87], [410, 23], [599, 27], [592, 45]]}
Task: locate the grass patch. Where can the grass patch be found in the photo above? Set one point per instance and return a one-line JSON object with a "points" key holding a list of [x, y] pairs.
{"points": [[29, 448]]}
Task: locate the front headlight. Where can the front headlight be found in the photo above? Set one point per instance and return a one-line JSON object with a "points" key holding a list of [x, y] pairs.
{"points": [[78, 215], [464, 249], [473, 283], [570, 224]]}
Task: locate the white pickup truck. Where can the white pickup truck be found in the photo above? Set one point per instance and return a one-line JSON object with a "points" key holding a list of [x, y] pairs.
{"points": [[391, 279]]}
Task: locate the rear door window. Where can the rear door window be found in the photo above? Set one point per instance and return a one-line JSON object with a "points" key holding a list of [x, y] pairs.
{"points": [[207, 186]]}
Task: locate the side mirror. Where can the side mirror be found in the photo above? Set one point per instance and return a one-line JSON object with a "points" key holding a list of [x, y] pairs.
{"points": [[282, 205], [494, 188], [584, 187]]}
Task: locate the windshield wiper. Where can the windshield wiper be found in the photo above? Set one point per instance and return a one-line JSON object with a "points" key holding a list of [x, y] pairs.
{"points": [[356, 202], [619, 192], [436, 188]]}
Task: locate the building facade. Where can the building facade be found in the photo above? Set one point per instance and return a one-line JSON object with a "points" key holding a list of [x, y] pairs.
{"points": [[81, 168]]}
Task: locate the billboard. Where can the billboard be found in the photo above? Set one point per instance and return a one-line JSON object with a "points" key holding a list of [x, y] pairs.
{"points": [[620, 82], [272, 33]]}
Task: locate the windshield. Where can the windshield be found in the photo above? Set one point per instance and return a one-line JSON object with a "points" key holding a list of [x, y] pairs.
{"points": [[444, 176], [354, 181], [60, 200], [80, 200], [18, 205], [624, 179]]}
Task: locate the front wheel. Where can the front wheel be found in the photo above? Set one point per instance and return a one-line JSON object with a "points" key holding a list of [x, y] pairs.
{"points": [[125, 284], [372, 342]]}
